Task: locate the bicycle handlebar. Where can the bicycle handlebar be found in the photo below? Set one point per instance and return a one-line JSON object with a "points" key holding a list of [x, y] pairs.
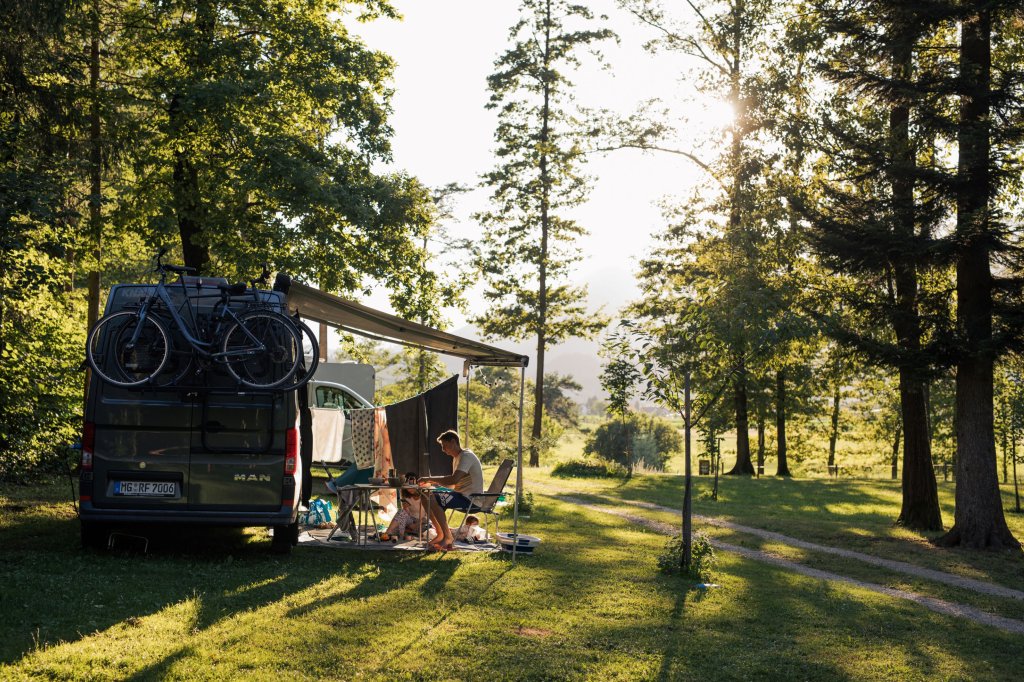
{"points": [[161, 267]]}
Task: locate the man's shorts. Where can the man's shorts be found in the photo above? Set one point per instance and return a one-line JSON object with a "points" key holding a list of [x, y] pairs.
{"points": [[452, 500]]}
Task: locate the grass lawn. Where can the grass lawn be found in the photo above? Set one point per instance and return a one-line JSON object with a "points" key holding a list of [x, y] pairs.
{"points": [[590, 604]]}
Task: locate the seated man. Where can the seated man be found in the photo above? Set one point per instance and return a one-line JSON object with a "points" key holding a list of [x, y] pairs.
{"points": [[467, 478]]}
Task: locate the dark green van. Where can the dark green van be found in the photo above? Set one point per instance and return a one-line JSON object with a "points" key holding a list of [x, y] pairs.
{"points": [[204, 451]]}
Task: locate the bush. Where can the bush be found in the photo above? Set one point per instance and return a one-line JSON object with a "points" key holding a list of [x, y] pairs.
{"points": [[578, 468], [702, 558], [650, 440]]}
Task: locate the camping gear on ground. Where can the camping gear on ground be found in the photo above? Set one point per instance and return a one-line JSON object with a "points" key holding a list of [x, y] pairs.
{"points": [[319, 513], [524, 544]]}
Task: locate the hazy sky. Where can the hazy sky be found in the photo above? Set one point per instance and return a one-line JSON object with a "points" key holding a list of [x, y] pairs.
{"points": [[446, 48]]}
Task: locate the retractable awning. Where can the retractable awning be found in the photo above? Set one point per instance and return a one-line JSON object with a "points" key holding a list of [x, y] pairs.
{"points": [[359, 319]]}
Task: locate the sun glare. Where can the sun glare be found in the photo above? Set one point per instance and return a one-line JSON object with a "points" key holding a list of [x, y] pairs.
{"points": [[715, 113]]}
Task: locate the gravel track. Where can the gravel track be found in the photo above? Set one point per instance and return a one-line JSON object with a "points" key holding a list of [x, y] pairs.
{"points": [[938, 605]]}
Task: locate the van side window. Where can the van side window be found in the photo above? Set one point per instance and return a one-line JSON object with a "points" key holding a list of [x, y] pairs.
{"points": [[351, 402], [328, 396]]}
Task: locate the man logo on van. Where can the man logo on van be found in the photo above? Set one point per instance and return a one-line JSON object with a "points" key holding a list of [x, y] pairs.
{"points": [[252, 477]]}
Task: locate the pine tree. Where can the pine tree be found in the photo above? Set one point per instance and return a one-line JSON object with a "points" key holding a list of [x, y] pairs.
{"points": [[529, 247], [877, 220], [978, 520]]}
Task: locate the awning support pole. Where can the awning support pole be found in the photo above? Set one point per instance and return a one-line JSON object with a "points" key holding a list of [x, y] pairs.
{"points": [[519, 467], [469, 373]]}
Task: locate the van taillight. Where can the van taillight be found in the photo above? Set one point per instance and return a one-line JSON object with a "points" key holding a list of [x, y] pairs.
{"points": [[291, 451], [88, 445]]}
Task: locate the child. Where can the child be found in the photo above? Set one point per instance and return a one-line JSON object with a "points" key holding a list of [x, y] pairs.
{"points": [[406, 523], [470, 531]]}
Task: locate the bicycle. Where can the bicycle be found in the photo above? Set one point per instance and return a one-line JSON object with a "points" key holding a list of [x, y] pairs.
{"points": [[310, 343], [259, 347]]}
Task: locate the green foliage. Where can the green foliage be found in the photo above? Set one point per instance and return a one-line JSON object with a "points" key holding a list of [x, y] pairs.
{"points": [[578, 468], [702, 558], [640, 440], [494, 414], [529, 244], [619, 377], [526, 503], [243, 131], [40, 382]]}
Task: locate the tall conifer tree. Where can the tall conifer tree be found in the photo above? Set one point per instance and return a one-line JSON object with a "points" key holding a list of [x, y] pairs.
{"points": [[877, 220], [982, 301], [529, 246]]}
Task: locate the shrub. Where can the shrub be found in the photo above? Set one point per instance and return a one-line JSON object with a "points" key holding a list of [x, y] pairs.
{"points": [[650, 440], [702, 557], [526, 502], [578, 468]]}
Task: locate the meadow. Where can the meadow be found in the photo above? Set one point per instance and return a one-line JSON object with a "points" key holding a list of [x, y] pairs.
{"points": [[590, 604]]}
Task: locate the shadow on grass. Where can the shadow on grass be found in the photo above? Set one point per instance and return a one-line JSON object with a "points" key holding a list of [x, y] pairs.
{"points": [[51, 591]]}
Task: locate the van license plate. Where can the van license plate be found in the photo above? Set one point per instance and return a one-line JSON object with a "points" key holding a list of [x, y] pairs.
{"points": [[146, 488]]}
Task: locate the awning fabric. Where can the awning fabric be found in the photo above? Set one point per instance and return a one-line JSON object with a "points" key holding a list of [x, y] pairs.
{"points": [[359, 319]]}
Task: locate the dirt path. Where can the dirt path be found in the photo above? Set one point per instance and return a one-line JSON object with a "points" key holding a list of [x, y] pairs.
{"points": [[937, 605], [979, 586]]}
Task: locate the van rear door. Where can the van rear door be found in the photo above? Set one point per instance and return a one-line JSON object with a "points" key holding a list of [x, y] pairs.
{"points": [[143, 441], [237, 451]]}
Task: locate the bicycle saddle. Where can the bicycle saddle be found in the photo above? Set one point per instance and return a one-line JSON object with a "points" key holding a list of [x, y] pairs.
{"points": [[233, 289]]}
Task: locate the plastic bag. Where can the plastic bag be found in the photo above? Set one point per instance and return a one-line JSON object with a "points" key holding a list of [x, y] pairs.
{"points": [[319, 513]]}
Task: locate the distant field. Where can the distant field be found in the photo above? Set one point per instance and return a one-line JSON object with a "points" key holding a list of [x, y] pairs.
{"points": [[857, 455]]}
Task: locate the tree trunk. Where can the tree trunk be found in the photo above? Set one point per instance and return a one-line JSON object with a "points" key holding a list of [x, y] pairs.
{"points": [[95, 182], [186, 194], [896, 452], [743, 464], [920, 509], [833, 435], [760, 444], [688, 478], [542, 286], [978, 520], [780, 423]]}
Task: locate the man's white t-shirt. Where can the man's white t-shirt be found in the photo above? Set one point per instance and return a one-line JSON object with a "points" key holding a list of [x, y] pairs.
{"points": [[473, 484]]}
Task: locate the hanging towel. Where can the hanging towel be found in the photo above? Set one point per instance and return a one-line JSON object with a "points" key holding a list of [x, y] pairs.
{"points": [[362, 437], [383, 462], [407, 430], [328, 430]]}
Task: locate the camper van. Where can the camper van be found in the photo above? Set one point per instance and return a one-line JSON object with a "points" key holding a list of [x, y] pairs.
{"points": [[201, 451]]}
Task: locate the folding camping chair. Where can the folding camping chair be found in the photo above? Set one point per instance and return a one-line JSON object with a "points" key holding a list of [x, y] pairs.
{"points": [[483, 503]]}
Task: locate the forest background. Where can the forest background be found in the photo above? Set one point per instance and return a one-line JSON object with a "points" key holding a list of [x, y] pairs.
{"points": [[863, 184]]}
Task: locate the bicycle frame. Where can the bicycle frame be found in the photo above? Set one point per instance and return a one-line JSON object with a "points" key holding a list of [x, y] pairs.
{"points": [[221, 310]]}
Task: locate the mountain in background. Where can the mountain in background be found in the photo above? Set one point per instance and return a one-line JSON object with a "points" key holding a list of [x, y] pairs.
{"points": [[576, 357]]}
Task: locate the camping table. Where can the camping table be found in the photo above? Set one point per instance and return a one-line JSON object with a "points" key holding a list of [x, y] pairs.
{"points": [[365, 491]]}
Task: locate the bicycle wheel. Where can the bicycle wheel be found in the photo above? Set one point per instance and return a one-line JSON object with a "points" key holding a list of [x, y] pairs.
{"points": [[310, 353], [262, 350], [122, 353]]}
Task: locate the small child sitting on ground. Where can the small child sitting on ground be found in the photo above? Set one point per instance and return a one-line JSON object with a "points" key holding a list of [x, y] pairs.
{"points": [[406, 523], [470, 531]]}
